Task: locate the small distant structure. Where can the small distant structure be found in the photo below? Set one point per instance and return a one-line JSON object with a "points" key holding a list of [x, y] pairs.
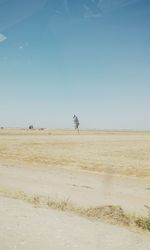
{"points": [[31, 127], [76, 123], [2, 127]]}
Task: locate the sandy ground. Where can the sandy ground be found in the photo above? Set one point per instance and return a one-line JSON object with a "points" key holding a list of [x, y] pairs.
{"points": [[90, 169], [124, 153], [24, 227], [80, 187]]}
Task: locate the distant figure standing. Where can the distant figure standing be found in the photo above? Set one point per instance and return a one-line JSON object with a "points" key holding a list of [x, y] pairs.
{"points": [[76, 123]]}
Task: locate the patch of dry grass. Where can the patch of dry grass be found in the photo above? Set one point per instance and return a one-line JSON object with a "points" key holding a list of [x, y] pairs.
{"points": [[124, 153], [144, 222], [110, 214]]}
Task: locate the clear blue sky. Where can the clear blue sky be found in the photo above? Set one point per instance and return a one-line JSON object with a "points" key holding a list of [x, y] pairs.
{"points": [[85, 57]]}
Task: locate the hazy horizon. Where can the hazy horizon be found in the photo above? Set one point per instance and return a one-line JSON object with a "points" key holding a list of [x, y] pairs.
{"points": [[63, 57], [72, 129]]}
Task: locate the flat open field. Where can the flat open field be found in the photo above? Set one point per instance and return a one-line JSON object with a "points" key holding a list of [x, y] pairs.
{"points": [[123, 153], [63, 190]]}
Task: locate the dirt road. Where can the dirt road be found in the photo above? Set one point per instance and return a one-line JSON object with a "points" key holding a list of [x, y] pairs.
{"points": [[25, 227], [80, 187]]}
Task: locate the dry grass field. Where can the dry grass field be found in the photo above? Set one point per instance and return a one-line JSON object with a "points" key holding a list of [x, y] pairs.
{"points": [[123, 153], [52, 177]]}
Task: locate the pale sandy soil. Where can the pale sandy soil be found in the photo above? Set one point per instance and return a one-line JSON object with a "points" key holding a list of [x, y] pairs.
{"points": [[24, 227], [82, 188], [90, 169]]}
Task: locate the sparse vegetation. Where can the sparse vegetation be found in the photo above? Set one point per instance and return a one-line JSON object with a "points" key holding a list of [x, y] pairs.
{"points": [[110, 214], [113, 214], [143, 222], [124, 153]]}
